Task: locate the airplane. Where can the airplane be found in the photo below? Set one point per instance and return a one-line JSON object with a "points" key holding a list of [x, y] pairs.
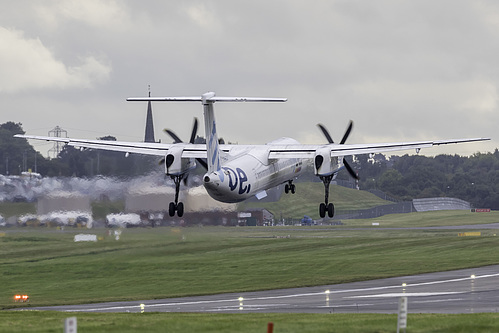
{"points": [[238, 172]]}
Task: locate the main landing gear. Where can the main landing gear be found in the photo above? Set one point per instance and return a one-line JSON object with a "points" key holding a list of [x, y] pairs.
{"points": [[326, 206], [290, 187], [176, 206]]}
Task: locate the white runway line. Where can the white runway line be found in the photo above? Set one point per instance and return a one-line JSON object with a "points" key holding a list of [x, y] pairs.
{"points": [[322, 293], [407, 294]]}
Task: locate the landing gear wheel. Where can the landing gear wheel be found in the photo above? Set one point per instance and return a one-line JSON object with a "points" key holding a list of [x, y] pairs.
{"points": [[180, 209], [330, 210], [290, 187], [171, 209], [322, 210]]}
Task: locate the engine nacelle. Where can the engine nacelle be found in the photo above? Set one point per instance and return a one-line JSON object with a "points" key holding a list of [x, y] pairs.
{"points": [[324, 164], [176, 165]]}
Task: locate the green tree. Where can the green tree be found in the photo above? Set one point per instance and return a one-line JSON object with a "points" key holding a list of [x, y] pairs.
{"points": [[16, 155]]}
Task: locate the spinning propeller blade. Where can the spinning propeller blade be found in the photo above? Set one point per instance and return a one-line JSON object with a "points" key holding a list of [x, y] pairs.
{"points": [[350, 169], [347, 133], [176, 139], [326, 133], [194, 130], [343, 140]]}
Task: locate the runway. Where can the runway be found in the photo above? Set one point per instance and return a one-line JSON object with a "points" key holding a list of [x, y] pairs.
{"points": [[461, 291]]}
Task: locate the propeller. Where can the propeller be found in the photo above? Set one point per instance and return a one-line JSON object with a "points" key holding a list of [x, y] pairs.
{"points": [[176, 139], [326, 133], [347, 132], [324, 130]]}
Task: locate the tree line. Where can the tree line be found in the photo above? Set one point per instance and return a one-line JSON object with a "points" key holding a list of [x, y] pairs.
{"points": [[17, 156], [472, 178]]}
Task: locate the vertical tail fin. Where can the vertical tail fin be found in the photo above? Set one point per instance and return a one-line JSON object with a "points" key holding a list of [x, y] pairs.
{"points": [[213, 152]]}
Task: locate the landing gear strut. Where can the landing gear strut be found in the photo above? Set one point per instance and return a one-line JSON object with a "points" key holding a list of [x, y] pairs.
{"points": [[326, 206], [176, 206], [290, 187]]}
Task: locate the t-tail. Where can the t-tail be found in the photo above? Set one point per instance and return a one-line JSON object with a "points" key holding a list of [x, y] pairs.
{"points": [[208, 99]]}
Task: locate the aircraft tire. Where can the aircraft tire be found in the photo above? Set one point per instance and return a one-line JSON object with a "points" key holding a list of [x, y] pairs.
{"points": [[330, 210], [293, 188], [322, 210], [171, 209], [180, 209], [286, 189]]}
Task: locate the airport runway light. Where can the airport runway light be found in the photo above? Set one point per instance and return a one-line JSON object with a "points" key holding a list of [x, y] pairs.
{"points": [[21, 298], [472, 276], [241, 299], [327, 292], [142, 307]]}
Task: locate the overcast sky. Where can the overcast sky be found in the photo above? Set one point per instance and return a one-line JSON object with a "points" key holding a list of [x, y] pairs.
{"points": [[401, 70]]}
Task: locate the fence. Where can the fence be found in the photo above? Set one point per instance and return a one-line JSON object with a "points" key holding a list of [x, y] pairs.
{"points": [[417, 205], [396, 208], [431, 204]]}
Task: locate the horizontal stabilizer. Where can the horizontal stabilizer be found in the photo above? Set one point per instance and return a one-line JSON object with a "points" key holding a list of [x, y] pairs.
{"points": [[210, 98]]}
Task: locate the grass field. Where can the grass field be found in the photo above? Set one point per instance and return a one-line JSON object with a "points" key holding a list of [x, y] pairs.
{"points": [[165, 262], [428, 219], [250, 323]]}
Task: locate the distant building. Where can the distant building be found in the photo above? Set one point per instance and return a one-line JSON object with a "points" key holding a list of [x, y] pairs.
{"points": [[255, 217], [200, 208], [63, 201]]}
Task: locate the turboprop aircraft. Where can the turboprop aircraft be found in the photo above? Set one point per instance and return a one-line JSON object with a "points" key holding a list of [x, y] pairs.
{"points": [[237, 172]]}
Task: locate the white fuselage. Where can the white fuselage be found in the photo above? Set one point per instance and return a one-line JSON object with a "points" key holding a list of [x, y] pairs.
{"points": [[248, 171]]}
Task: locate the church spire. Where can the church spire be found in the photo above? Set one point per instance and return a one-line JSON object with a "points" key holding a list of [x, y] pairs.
{"points": [[149, 136]]}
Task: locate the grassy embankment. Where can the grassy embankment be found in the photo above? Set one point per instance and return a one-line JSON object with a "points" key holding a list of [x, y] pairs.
{"points": [[308, 196]]}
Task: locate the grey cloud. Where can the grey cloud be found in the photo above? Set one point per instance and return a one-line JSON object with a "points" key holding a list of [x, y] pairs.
{"points": [[400, 69]]}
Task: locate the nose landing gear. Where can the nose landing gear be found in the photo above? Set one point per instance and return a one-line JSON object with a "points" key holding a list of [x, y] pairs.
{"points": [[290, 187]]}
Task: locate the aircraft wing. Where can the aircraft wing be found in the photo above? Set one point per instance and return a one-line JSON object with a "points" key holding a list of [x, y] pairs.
{"points": [[145, 148], [308, 151], [276, 151]]}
